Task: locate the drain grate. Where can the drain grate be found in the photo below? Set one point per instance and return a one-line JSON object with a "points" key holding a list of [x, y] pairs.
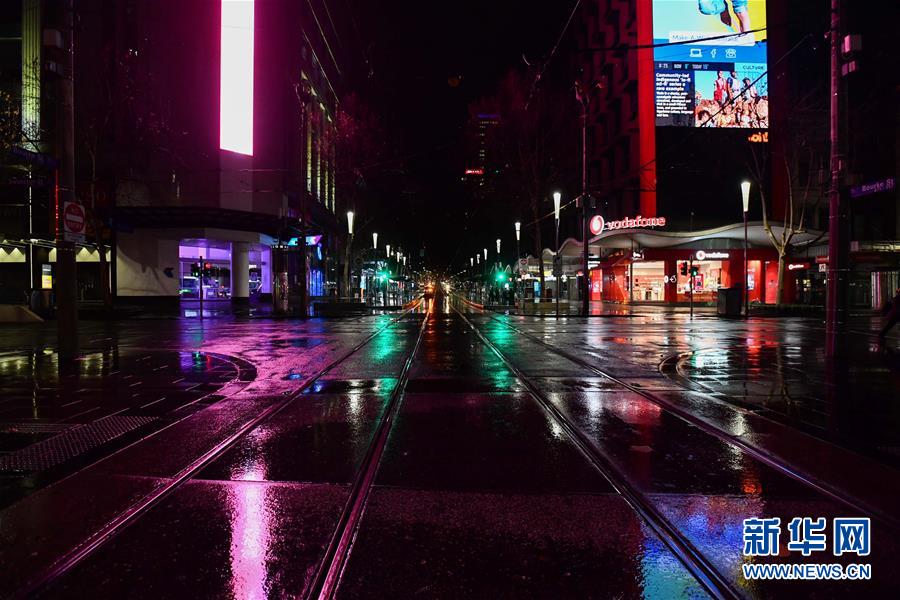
{"points": [[69, 444]]}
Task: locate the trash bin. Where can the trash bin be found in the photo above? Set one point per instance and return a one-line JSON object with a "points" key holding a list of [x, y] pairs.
{"points": [[729, 302]]}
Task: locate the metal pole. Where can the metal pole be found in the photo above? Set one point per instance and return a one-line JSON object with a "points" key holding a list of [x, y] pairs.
{"points": [[691, 271], [631, 275], [557, 272], [835, 309], [200, 287], [66, 268], [585, 280], [518, 272], [746, 276]]}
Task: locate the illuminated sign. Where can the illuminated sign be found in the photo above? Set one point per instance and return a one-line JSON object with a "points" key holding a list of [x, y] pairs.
{"points": [[710, 63], [236, 77], [46, 276], [311, 240], [760, 137], [703, 255], [797, 266], [884, 185], [598, 225], [474, 171]]}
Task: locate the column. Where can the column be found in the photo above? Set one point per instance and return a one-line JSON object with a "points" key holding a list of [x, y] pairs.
{"points": [[240, 272], [671, 287], [266, 256]]}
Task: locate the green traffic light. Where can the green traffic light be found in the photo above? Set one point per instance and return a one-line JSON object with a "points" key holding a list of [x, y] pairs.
{"points": [[501, 277]]}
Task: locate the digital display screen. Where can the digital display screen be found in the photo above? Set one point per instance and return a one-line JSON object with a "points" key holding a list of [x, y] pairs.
{"points": [[710, 63]]}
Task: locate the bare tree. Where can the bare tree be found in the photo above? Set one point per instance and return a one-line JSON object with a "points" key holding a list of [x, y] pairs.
{"points": [[359, 145], [801, 155], [796, 204], [533, 142]]}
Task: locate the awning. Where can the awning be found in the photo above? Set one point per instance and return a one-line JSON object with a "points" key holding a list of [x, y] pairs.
{"points": [[731, 236]]}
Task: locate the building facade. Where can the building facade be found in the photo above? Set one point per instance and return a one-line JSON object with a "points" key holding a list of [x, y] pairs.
{"points": [[691, 106], [227, 121]]}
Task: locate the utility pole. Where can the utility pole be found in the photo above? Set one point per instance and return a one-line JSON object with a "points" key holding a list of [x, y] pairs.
{"points": [[585, 280], [66, 277], [584, 97], [691, 267], [838, 267]]}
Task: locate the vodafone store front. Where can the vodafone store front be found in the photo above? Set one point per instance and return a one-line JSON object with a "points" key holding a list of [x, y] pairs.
{"points": [[642, 263], [664, 276]]}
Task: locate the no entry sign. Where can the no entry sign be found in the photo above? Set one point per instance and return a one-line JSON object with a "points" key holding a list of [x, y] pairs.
{"points": [[73, 222]]}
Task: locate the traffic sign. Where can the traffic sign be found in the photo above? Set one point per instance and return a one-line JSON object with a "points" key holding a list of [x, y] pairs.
{"points": [[29, 181], [557, 266], [882, 185], [35, 158], [74, 222]]}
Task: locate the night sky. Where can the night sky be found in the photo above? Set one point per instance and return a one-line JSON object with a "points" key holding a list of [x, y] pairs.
{"points": [[405, 61]]}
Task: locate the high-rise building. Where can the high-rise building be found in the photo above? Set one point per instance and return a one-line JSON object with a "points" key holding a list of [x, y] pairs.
{"points": [[480, 166]]}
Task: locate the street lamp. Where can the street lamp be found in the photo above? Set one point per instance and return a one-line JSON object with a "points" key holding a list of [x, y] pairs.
{"points": [[557, 271], [518, 254], [745, 193], [375, 241], [349, 253], [387, 249]]}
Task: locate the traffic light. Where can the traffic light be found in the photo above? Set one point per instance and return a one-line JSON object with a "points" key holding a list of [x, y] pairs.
{"points": [[694, 271], [501, 277], [684, 268], [195, 269]]}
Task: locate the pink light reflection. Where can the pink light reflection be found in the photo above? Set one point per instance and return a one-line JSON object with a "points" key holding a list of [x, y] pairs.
{"points": [[236, 77], [251, 536]]}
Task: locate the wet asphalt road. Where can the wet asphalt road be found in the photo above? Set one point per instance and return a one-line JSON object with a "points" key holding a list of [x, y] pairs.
{"points": [[481, 490]]}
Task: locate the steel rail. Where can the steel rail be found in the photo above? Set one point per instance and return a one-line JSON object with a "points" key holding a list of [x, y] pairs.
{"points": [[130, 514], [693, 560], [762, 456], [331, 567]]}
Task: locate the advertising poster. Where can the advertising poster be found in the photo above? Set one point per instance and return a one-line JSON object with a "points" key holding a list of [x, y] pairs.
{"points": [[710, 63]]}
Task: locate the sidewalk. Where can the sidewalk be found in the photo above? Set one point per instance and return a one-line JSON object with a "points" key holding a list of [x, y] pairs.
{"points": [[52, 422], [601, 309]]}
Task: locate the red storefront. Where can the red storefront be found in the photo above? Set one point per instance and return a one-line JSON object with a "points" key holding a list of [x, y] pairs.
{"points": [[654, 271]]}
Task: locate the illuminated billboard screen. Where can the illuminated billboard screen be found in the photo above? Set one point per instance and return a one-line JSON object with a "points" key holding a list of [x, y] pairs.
{"points": [[710, 63]]}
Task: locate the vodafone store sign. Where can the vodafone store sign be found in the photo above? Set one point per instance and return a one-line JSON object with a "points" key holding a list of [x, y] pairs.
{"points": [[599, 225]]}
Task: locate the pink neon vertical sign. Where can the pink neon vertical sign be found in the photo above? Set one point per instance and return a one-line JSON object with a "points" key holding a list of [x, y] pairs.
{"points": [[236, 77]]}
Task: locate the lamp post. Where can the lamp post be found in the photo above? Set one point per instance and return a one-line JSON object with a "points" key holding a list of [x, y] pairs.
{"points": [[374, 281], [557, 272], [518, 268], [745, 193], [484, 272], [349, 253]]}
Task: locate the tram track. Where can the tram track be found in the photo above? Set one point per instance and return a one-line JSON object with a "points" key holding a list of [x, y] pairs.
{"points": [[337, 553], [831, 492], [693, 560], [128, 516]]}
